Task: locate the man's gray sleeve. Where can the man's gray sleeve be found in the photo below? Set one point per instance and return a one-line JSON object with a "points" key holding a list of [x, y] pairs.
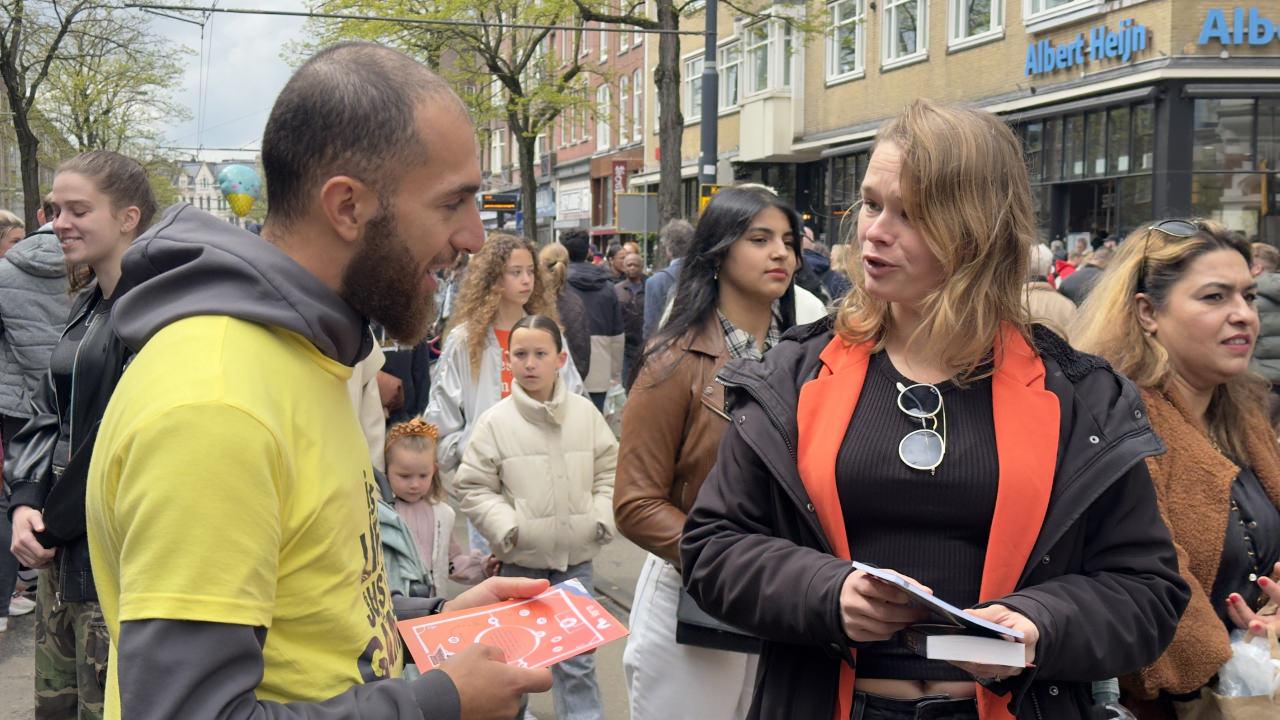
{"points": [[198, 670]]}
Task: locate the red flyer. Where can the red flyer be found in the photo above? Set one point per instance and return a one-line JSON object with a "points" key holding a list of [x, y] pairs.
{"points": [[538, 632]]}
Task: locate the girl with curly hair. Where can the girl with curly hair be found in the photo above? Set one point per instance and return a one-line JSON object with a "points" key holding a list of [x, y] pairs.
{"points": [[502, 285]]}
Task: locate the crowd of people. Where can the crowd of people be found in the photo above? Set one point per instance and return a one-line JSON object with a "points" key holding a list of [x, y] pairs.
{"points": [[237, 460]]}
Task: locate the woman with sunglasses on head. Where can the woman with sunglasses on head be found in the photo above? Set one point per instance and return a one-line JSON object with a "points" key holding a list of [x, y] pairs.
{"points": [[931, 430], [1175, 313], [733, 301]]}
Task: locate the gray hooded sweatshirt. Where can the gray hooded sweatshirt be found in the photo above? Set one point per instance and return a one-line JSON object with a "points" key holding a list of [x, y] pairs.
{"points": [[191, 264], [35, 299]]}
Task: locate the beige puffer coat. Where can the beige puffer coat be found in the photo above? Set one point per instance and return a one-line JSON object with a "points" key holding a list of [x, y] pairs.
{"points": [[545, 471]]}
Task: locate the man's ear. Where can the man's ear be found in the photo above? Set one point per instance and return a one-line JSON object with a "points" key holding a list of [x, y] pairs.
{"points": [[348, 205]]}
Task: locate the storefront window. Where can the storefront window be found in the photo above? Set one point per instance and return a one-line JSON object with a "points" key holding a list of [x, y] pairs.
{"points": [[1096, 144], [1135, 202], [1073, 146], [1118, 141], [1233, 199], [1033, 141], [1053, 138], [1269, 134], [1144, 137], [1223, 134]]}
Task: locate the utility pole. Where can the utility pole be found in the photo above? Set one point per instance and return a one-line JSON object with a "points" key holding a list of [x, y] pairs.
{"points": [[709, 157]]}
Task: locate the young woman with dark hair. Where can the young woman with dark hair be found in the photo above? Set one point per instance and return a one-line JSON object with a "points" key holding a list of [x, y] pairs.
{"points": [[102, 201], [733, 301], [931, 430]]}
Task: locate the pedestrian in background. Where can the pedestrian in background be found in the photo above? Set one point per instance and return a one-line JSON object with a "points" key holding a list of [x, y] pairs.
{"points": [[630, 291], [733, 301], [537, 480], [1175, 313], [1076, 286], [103, 201], [674, 240], [554, 260], [12, 229], [35, 298], [929, 430], [1266, 355], [594, 285], [1046, 305], [837, 280]]}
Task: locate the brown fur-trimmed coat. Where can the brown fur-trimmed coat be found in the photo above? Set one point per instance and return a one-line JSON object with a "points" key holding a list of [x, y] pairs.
{"points": [[1193, 485]]}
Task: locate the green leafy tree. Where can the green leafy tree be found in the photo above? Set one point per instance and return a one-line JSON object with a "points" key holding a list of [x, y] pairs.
{"points": [[501, 72]]}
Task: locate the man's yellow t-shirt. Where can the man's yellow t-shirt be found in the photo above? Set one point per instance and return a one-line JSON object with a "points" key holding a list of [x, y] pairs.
{"points": [[230, 483]]}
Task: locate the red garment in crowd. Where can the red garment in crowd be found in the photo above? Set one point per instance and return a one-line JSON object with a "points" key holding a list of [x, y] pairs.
{"points": [[1061, 271]]}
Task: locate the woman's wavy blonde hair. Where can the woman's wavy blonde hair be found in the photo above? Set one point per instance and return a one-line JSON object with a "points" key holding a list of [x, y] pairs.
{"points": [[1150, 262], [553, 259], [965, 187], [481, 292]]}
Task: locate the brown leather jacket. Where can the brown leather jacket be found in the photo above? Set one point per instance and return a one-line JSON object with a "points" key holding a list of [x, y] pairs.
{"points": [[671, 429]]}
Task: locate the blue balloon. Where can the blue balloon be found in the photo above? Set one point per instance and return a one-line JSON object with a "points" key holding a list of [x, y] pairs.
{"points": [[240, 180]]}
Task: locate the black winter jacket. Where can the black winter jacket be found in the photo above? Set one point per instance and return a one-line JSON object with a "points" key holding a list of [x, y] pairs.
{"points": [[48, 460], [1101, 585]]}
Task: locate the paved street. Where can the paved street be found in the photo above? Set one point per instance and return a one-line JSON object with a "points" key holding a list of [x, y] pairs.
{"points": [[617, 568]]}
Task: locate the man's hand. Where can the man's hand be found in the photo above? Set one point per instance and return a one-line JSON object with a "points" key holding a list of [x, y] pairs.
{"points": [[27, 521], [495, 590], [390, 391], [1001, 615], [490, 689]]}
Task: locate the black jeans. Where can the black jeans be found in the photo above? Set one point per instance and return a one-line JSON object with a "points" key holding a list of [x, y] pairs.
{"points": [[874, 707]]}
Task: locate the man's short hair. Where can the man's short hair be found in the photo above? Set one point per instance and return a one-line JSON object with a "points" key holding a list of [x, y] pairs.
{"points": [[577, 243], [351, 109], [1266, 256], [612, 251], [46, 206], [676, 237]]}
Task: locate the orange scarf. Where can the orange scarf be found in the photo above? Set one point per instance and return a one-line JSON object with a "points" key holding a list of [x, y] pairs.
{"points": [[1026, 428]]}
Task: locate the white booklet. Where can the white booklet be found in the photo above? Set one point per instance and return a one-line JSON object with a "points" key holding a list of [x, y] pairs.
{"points": [[951, 633]]}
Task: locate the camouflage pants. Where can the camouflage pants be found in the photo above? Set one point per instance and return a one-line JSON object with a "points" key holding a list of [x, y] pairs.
{"points": [[71, 655]]}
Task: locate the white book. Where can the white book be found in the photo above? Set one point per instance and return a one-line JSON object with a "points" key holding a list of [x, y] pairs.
{"points": [[943, 643]]}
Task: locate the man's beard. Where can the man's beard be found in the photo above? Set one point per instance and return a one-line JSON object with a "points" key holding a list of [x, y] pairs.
{"points": [[383, 282]]}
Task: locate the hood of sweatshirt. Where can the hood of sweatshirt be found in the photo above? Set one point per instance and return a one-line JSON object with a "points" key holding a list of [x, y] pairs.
{"points": [[190, 263], [817, 262], [39, 254], [588, 278]]}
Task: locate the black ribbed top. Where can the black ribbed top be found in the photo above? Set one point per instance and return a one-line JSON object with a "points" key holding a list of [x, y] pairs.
{"points": [[930, 526]]}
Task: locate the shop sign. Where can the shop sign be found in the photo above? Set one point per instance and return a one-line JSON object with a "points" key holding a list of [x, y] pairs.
{"points": [[1099, 43], [619, 175], [1247, 27]]}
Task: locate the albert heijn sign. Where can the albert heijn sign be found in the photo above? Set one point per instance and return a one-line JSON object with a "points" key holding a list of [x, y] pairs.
{"points": [[1238, 26], [1099, 43]]}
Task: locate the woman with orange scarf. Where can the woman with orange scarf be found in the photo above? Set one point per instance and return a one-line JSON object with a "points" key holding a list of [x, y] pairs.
{"points": [[930, 429]]}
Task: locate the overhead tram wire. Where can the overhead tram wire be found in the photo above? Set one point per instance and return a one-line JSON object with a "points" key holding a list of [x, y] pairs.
{"points": [[150, 7]]}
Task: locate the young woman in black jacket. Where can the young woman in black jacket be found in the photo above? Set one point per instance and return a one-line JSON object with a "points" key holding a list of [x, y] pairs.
{"points": [[103, 201], [929, 429]]}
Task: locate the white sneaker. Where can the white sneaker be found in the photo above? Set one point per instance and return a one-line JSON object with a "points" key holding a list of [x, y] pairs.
{"points": [[19, 605], [4, 624]]}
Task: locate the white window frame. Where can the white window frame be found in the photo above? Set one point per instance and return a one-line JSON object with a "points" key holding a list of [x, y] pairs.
{"points": [[637, 38], [691, 68], [604, 44], [624, 106], [723, 65], [1034, 12], [637, 105], [888, 37], [779, 38], [956, 25], [858, 21], [584, 47], [497, 149], [603, 126]]}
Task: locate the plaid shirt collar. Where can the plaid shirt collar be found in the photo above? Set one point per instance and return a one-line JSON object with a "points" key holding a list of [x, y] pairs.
{"points": [[742, 344]]}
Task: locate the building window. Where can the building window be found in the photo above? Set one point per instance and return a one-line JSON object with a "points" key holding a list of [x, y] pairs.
{"points": [[770, 52], [604, 44], [1118, 140], [844, 40], [730, 75], [624, 107], [904, 30], [693, 88], [637, 106], [1095, 145], [603, 127], [1040, 7], [1223, 134], [497, 150], [971, 20]]}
